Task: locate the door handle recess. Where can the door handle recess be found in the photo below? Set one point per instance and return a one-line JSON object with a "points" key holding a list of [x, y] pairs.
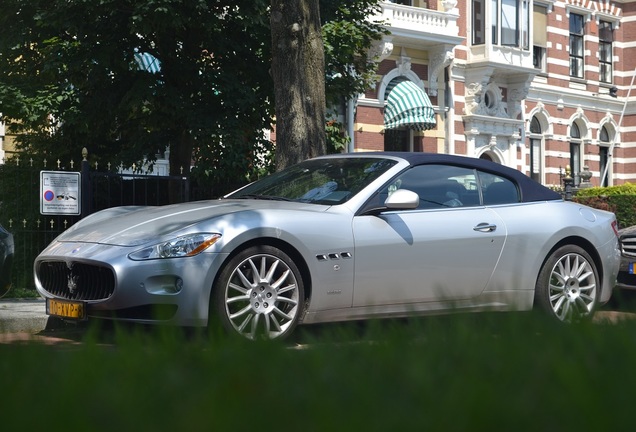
{"points": [[485, 227]]}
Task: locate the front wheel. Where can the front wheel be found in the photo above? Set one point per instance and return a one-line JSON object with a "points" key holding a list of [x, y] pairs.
{"points": [[568, 285], [259, 294]]}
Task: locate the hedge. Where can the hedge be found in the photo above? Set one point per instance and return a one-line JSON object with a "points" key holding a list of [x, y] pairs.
{"points": [[621, 200]]}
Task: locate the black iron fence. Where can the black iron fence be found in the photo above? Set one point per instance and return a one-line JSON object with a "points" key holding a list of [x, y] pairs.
{"points": [[21, 203]]}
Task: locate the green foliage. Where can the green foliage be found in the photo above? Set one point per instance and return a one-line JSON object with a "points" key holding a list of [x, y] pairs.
{"points": [[348, 33], [624, 189], [21, 293], [457, 373], [69, 78], [122, 112], [337, 139], [230, 164], [621, 200]]}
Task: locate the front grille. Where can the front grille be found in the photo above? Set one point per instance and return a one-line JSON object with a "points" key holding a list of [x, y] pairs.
{"points": [[628, 246], [76, 281]]}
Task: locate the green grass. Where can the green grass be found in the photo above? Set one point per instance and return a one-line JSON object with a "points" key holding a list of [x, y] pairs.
{"points": [[455, 373], [17, 293]]}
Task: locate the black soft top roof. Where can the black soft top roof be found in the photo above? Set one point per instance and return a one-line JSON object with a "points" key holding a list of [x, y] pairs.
{"points": [[529, 188]]}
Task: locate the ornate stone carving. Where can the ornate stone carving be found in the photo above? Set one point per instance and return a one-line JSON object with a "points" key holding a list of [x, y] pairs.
{"points": [[515, 96], [403, 63], [381, 50], [438, 61], [449, 5], [473, 97], [485, 100]]}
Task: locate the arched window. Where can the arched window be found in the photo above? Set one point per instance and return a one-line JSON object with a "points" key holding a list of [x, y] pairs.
{"points": [[575, 153], [536, 155]]}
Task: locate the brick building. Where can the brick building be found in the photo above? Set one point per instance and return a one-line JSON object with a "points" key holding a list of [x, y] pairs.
{"points": [[537, 85]]}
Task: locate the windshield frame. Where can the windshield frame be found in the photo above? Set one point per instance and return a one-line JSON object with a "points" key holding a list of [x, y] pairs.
{"points": [[324, 181]]}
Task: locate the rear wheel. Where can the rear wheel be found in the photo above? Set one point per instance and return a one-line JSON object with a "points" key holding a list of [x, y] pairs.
{"points": [[259, 294], [568, 285]]}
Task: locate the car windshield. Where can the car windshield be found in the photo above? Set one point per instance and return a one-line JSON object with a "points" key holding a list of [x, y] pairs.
{"points": [[321, 181]]}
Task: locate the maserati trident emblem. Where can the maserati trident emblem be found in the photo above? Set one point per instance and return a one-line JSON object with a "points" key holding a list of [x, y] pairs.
{"points": [[72, 283]]}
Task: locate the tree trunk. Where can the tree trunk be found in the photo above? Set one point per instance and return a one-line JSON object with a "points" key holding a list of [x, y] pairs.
{"points": [[298, 71]]}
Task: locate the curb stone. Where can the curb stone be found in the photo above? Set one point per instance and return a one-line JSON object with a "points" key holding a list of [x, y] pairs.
{"points": [[23, 315]]}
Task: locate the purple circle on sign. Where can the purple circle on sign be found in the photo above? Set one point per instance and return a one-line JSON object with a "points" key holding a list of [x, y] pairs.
{"points": [[49, 195]]}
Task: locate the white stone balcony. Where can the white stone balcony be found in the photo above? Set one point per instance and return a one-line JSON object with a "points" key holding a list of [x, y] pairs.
{"points": [[419, 27]]}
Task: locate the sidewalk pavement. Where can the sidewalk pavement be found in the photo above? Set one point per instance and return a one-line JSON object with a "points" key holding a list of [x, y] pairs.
{"points": [[23, 315]]}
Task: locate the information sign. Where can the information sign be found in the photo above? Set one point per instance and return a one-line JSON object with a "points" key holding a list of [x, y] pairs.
{"points": [[60, 193]]}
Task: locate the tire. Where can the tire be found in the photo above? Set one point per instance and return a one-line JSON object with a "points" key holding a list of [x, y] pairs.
{"points": [[568, 285], [259, 294]]}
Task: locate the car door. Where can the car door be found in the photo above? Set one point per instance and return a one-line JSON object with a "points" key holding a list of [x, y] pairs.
{"points": [[443, 250]]}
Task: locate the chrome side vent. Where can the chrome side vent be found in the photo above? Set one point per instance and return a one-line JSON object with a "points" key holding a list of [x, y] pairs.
{"points": [[334, 256]]}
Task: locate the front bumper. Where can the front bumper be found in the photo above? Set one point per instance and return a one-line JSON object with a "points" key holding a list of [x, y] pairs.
{"points": [[172, 291], [627, 274]]}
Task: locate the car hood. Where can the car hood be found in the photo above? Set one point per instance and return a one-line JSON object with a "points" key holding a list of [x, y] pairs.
{"points": [[134, 226], [629, 231]]}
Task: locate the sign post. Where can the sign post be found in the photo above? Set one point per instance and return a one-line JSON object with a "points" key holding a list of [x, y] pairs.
{"points": [[60, 193]]}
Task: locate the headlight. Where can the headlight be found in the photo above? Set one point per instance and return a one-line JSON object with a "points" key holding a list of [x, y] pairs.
{"points": [[188, 245]]}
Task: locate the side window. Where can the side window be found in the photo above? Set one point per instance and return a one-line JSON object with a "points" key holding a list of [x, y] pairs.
{"points": [[498, 190], [439, 186]]}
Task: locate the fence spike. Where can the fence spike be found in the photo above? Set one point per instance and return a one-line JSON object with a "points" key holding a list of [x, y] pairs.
{"points": [[65, 223], [24, 222], [52, 223], [10, 223], [38, 222], [17, 161], [31, 162], [72, 164], [96, 165], [44, 162], [59, 162]]}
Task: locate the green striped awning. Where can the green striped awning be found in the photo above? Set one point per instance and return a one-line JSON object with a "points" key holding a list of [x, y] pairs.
{"points": [[147, 62], [408, 106]]}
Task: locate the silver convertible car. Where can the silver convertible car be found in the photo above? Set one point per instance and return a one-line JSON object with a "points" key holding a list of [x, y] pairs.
{"points": [[340, 237]]}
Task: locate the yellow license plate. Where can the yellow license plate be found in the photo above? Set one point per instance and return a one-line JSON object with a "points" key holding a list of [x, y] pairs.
{"points": [[66, 309]]}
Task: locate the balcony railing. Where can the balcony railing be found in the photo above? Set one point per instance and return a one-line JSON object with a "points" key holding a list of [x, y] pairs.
{"points": [[420, 22]]}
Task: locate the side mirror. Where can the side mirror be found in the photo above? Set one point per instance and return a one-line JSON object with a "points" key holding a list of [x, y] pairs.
{"points": [[402, 199]]}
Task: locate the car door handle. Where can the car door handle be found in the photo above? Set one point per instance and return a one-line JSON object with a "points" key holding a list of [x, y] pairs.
{"points": [[485, 227]]}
